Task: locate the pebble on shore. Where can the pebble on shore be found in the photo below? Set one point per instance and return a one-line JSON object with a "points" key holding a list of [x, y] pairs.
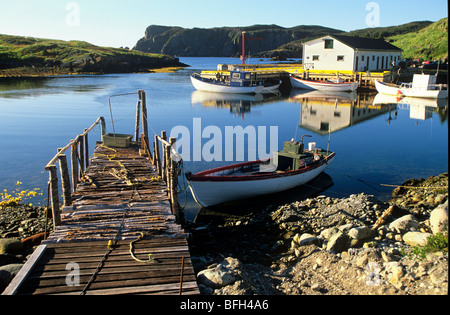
{"points": [[363, 245]]}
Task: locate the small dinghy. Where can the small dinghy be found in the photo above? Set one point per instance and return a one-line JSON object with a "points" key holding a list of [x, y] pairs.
{"points": [[289, 168], [330, 85]]}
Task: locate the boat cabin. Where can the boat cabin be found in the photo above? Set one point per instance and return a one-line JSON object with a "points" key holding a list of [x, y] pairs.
{"points": [[241, 78], [293, 156]]}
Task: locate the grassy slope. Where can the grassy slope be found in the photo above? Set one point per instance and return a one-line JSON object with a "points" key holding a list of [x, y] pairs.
{"points": [[69, 56], [429, 43]]}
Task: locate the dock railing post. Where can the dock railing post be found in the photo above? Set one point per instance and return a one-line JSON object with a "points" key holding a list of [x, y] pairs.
{"points": [[173, 180], [157, 159], [81, 154], [143, 102], [136, 128], [74, 164], [163, 158], [65, 180], [86, 149], [53, 179]]}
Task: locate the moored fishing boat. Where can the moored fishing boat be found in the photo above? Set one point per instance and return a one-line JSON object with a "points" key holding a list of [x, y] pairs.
{"points": [[239, 82], [330, 85], [289, 168], [423, 86]]}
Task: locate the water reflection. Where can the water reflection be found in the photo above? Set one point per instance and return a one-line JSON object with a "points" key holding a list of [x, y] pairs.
{"points": [[35, 87], [328, 112], [419, 108], [239, 104]]}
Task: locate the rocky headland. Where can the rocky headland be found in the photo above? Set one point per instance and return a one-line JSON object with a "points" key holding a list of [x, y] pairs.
{"points": [[337, 246]]}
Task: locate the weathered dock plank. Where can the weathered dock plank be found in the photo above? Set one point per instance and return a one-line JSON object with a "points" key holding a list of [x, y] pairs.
{"points": [[118, 236], [120, 273]]}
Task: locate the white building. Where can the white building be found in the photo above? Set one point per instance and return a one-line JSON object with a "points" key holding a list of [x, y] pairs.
{"points": [[350, 53]]}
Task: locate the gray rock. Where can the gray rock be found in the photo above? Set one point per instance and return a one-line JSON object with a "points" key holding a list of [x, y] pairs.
{"points": [[338, 243], [416, 238], [439, 218], [7, 273], [327, 233], [220, 275], [308, 239], [10, 245], [405, 223], [361, 232]]}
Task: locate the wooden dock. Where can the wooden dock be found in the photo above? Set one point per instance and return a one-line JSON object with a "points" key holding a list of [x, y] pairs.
{"points": [[117, 232], [366, 80]]}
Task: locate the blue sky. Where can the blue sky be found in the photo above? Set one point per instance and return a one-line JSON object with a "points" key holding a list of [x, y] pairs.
{"points": [[121, 23]]}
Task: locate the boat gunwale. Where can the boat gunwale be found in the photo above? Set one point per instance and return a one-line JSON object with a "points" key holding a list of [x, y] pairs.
{"points": [[204, 175], [324, 82]]}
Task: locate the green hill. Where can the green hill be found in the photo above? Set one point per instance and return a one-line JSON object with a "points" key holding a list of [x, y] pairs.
{"points": [[429, 43], [34, 56]]}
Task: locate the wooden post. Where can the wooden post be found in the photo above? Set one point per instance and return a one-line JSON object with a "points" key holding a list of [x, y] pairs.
{"points": [[144, 118], [163, 159], [86, 149], [74, 165], [157, 159], [81, 155], [65, 180], [173, 179], [53, 178], [136, 127]]}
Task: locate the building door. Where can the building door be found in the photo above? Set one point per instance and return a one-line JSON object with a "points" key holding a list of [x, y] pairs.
{"points": [[356, 63]]}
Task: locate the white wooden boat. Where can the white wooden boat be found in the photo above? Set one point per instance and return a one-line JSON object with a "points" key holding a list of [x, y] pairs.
{"points": [[423, 86], [240, 82], [330, 85], [289, 168]]}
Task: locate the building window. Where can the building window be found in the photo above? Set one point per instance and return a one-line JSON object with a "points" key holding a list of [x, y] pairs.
{"points": [[315, 57], [329, 44], [340, 58]]}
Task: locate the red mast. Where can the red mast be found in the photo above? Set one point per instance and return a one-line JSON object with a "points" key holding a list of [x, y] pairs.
{"points": [[243, 48]]}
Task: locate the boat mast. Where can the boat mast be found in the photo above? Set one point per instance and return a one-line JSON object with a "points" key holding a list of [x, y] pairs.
{"points": [[243, 48]]}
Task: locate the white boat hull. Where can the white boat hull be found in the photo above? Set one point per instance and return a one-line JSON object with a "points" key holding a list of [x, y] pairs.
{"points": [[409, 92], [213, 192], [223, 88], [323, 86]]}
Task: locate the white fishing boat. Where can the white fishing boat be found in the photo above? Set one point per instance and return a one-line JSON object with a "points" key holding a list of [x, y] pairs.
{"points": [[289, 168], [239, 82], [423, 86], [337, 85]]}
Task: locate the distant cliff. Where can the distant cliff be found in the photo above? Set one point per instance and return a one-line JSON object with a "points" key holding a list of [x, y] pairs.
{"points": [[277, 41], [225, 41]]}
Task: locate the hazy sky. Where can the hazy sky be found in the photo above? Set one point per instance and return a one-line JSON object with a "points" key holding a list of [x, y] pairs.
{"points": [[121, 23]]}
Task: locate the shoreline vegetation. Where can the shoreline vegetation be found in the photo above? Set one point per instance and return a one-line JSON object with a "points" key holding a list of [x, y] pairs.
{"points": [[319, 245], [22, 57]]}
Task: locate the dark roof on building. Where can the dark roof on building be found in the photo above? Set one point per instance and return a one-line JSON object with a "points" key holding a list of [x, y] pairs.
{"points": [[365, 43]]}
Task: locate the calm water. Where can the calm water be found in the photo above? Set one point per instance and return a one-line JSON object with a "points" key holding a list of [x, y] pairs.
{"points": [[376, 143]]}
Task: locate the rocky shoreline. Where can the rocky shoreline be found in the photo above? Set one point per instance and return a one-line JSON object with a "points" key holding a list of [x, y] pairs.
{"points": [[336, 246], [322, 245]]}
